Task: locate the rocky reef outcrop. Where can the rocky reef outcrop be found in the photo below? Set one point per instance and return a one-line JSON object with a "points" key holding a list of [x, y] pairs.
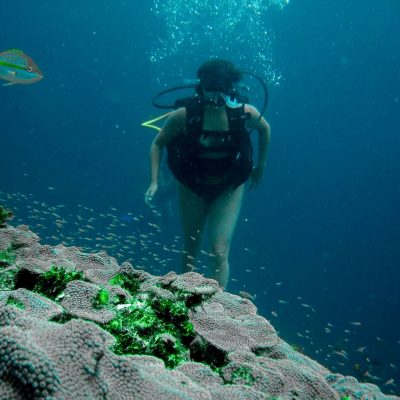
{"points": [[75, 325]]}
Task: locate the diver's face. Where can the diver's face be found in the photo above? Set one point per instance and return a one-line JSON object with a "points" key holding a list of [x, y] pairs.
{"points": [[214, 90], [209, 94], [216, 83]]}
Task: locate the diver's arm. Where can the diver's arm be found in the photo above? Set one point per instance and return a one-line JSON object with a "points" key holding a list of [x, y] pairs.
{"points": [[264, 138], [155, 161], [171, 129]]}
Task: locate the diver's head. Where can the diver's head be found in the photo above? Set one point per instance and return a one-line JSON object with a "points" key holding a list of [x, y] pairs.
{"points": [[217, 76]]}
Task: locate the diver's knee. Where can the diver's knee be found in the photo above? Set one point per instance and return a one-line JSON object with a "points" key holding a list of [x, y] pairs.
{"points": [[220, 252]]}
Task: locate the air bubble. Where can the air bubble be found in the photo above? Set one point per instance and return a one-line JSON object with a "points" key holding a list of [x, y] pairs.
{"points": [[238, 30]]}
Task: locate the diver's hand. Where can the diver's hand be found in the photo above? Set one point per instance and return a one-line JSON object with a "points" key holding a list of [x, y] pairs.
{"points": [[148, 196], [256, 177]]}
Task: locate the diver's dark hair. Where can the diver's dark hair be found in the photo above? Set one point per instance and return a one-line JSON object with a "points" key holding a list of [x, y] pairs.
{"points": [[218, 75]]}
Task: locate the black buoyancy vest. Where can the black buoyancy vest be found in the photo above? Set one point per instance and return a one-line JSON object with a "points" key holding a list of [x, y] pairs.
{"points": [[185, 151]]}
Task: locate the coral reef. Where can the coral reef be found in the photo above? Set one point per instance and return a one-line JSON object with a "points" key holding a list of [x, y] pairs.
{"points": [[79, 326]]}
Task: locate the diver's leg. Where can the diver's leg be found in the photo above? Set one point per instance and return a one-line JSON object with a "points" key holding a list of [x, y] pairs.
{"points": [[223, 216], [193, 213]]}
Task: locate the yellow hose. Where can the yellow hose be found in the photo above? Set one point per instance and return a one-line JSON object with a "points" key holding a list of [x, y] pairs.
{"points": [[149, 124]]}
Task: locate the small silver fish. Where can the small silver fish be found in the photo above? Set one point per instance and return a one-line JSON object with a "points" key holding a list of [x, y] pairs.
{"points": [[247, 295]]}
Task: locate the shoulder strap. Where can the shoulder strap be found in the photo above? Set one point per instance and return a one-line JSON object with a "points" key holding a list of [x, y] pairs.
{"points": [[194, 117], [237, 118]]}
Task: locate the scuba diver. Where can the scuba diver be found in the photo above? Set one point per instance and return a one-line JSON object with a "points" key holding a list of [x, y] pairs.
{"points": [[210, 154]]}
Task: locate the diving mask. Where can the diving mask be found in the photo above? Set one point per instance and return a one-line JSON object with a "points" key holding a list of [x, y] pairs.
{"points": [[231, 98]]}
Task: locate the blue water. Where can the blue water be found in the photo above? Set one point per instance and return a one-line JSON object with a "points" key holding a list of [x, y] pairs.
{"points": [[324, 228]]}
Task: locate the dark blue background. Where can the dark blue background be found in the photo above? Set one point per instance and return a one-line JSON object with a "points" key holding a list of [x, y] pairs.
{"points": [[326, 221]]}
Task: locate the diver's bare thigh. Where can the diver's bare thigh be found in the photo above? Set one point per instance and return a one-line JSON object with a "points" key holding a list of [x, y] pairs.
{"points": [[193, 212], [223, 216]]}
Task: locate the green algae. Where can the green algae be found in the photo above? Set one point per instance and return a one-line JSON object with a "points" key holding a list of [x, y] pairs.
{"points": [[149, 325], [241, 374], [16, 303], [102, 298], [154, 327], [7, 279], [53, 282], [7, 257], [126, 282]]}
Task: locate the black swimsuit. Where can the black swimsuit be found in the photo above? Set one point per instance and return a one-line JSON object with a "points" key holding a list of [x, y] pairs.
{"points": [[205, 176]]}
